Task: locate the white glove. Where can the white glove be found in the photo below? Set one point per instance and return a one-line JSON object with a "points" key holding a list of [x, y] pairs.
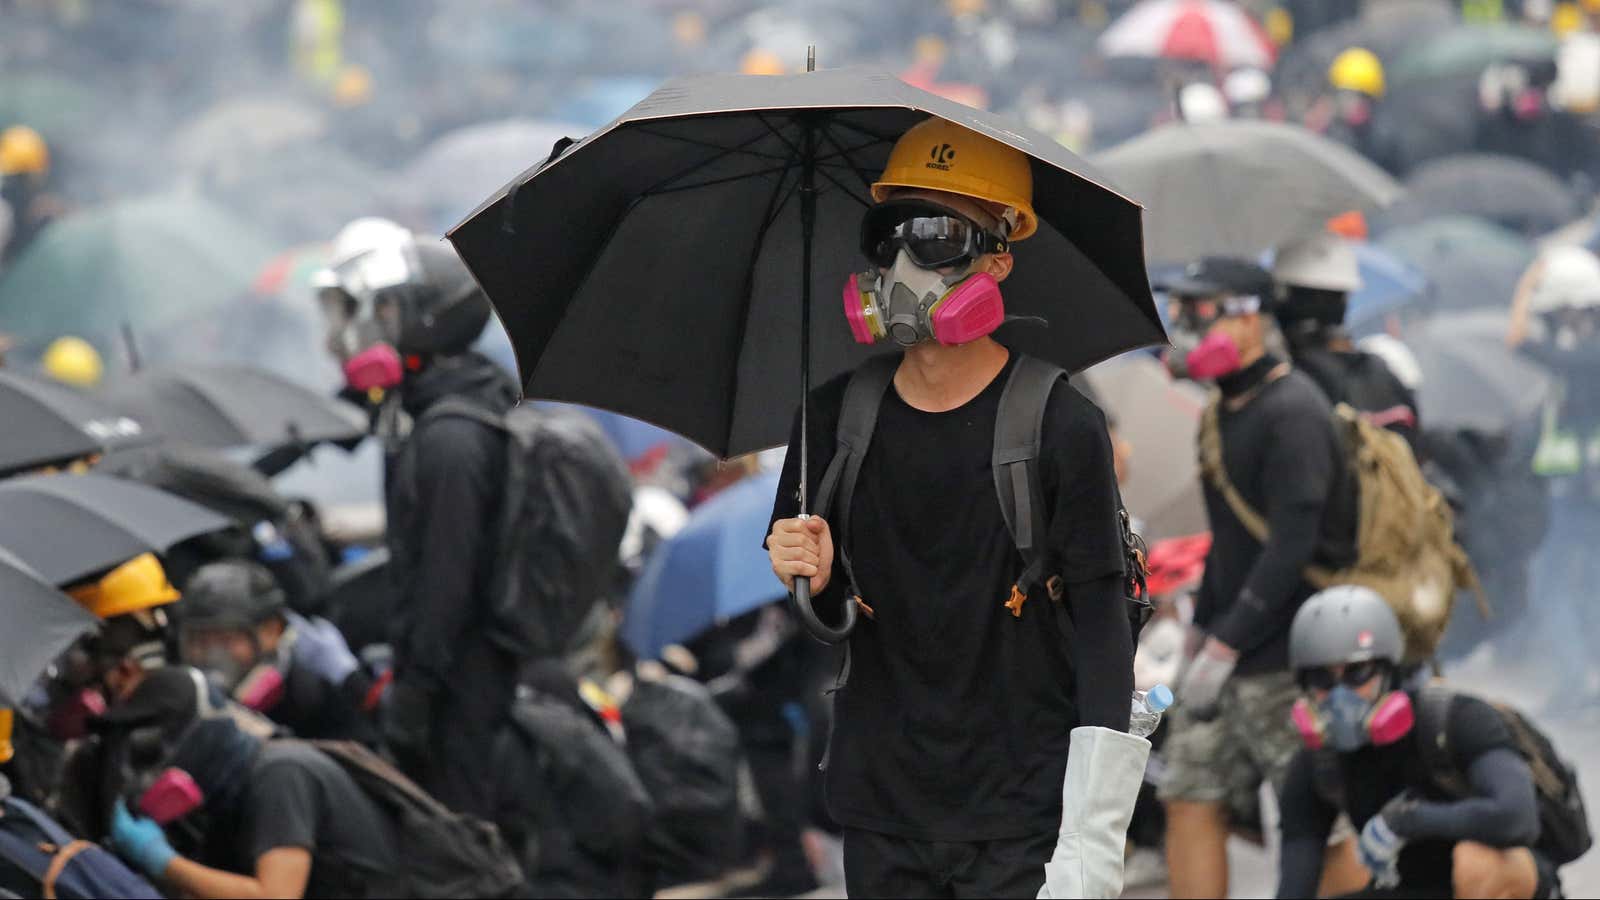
{"points": [[1104, 771]]}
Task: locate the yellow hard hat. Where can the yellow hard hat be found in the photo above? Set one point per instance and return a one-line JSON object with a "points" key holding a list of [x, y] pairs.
{"points": [[138, 584], [1566, 18], [23, 150], [1280, 26], [1357, 69], [937, 155], [6, 749], [761, 62], [352, 87], [74, 361]]}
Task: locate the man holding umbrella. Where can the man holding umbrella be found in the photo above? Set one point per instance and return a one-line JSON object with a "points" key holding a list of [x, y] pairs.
{"points": [[952, 732]]}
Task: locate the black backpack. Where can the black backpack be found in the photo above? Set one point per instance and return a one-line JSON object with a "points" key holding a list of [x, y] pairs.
{"points": [[442, 853], [1018, 432], [1564, 833], [567, 499]]}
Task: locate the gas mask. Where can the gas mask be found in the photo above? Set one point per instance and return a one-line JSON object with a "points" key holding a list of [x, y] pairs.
{"points": [[910, 304], [257, 685], [1344, 721], [363, 331], [1198, 353]]}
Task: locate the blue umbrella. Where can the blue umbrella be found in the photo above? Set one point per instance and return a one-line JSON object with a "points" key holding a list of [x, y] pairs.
{"points": [[1387, 285], [712, 570]]}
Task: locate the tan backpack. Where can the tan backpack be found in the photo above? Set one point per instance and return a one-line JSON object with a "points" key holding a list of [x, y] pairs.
{"points": [[1405, 533]]}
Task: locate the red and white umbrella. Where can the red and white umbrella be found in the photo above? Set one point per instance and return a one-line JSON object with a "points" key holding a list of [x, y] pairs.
{"points": [[1212, 31]]}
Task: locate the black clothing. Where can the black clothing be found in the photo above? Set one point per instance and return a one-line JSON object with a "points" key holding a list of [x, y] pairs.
{"points": [[1284, 456], [298, 797], [313, 709], [879, 865], [1365, 382], [955, 722], [1503, 814], [443, 496]]}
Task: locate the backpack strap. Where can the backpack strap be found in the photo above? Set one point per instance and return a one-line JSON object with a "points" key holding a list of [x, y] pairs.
{"points": [[858, 418], [1017, 434], [462, 409], [58, 865], [1433, 739], [33, 858], [1216, 473]]}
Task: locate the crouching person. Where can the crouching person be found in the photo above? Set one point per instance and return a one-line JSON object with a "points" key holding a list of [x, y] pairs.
{"points": [[1444, 788]]}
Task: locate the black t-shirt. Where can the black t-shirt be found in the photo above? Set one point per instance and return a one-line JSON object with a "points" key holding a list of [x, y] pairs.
{"points": [[956, 719], [1372, 776], [299, 797]]}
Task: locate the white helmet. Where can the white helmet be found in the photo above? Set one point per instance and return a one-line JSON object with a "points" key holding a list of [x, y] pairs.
{"points": [[360, 236], [1570, 280], [1199, 103], [1322, 262], [1396, 355], [1243, 87]]}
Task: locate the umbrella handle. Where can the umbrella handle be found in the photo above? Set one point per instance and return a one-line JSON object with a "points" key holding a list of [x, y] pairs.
{"points": [[800, 599]]}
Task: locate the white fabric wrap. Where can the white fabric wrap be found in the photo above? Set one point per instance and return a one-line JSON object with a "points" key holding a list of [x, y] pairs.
{"points": [[1104, 771]]}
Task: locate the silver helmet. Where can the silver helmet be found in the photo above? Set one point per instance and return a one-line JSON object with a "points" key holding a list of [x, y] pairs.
{"points": [[1346, 623]]}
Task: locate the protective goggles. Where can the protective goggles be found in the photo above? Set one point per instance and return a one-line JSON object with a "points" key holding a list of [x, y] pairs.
{"points": [[1354, 675], [1200, 315], [934, 236]]}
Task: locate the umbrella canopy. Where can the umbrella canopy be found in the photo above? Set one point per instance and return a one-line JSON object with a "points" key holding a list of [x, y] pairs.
{"points": [[48, 423], [658, 268], [1471, 263], [1235, 188], [1159, 418], [1388, 285], [455, 172], [712, 570], [1468, 49], [1217, 32], [69, 527], [301, 192], [140, 262], [243, 126], [58, 107], [1470, 378], [233, 406], [41, 622], [1505, 190]]}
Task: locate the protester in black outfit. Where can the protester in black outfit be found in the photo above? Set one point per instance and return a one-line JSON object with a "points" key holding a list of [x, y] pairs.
{"points": [[946, 764], [298, 671], [1279, 448], [409, 311], [1346, 647]]}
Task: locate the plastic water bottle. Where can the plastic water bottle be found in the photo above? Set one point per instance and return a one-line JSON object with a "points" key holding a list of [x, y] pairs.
{"points": [[1147, 709]]}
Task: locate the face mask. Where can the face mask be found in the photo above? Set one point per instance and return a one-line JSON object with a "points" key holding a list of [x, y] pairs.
{"points": [[170, 797], [910, 304], [1344, 715], [1213, 357], [1345, 722]]}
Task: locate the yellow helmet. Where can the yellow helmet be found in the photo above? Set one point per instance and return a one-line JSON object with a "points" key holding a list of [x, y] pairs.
{"points": [[1566, 18], [6, 749], [22, 150], [136, 585], [1357, 69], [1280, 26], [352, 87], [74, 361], [761, 62], [937, 155]]}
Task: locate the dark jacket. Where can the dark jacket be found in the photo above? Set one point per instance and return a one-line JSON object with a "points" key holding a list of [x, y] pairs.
{"points": [[1365, 382]]}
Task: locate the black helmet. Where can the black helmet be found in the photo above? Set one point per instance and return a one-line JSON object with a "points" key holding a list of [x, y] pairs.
{"points": [[232, 593], [441, 308]]}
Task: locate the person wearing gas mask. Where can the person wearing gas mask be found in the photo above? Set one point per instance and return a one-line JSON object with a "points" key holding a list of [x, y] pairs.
{"points": [[403, 316], [1315, 277], [951, 734], [237, 628], [256, 817], [1438, 783], [1279, 449], [1556, 323]]}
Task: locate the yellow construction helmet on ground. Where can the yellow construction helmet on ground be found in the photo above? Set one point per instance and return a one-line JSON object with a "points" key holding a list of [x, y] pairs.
{"points": [[136, 585], [73, 360], [937, 155], [1357, 69], [23, 150]]}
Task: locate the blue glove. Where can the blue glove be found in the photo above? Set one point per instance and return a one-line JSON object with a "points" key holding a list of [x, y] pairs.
{"points": [[321, 650], [140, 841], [1380, 848]]}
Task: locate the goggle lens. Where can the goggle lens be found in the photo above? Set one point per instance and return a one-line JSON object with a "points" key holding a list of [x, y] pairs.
{"points": [[1354, 675], [932, 236]]}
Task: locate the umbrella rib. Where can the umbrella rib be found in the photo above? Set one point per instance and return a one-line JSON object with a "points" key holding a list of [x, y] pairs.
{"points": [[797, 160], [741, 176], [710, 146], [661, 186], [833, 141]]}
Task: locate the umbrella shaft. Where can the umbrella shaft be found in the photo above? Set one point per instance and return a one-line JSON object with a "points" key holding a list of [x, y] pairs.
{"points": [[808, 221]]}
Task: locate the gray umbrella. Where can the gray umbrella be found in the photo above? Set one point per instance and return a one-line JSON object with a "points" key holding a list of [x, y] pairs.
{"points": [[663, 266], [40, 623], [1236, 188], [47, 423], [1470, 378], [68, 527], [1510, 192], [1470, 263]]}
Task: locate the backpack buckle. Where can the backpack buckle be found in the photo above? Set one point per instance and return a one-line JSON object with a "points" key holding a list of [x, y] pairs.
{"points": [[1014, 603], [864, 607]]}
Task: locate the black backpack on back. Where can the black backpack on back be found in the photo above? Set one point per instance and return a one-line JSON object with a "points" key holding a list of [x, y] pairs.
{"points": [[568, 495], [442, 853], [1018, 432]]}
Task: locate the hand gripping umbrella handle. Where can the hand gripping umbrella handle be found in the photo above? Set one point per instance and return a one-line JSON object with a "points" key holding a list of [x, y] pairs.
{"points": [[800, 599]]}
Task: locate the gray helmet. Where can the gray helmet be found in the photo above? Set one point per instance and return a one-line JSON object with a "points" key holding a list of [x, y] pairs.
{"points": [[1346, 623], [231, 593]]}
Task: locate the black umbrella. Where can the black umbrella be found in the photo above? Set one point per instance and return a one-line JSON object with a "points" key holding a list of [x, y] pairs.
{"points": [[48, 423], [68, 527], [236, 406], [1470, 378], [1513, 193], [40, 623], [663, 266]]}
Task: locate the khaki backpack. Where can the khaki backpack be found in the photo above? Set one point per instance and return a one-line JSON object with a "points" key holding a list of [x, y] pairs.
{"points": [[1405, 532]]}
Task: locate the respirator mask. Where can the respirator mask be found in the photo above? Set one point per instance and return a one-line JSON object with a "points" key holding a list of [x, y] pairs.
{"points": [[363, 331], [904, 297], [1343, 720], [1198, 353]]}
